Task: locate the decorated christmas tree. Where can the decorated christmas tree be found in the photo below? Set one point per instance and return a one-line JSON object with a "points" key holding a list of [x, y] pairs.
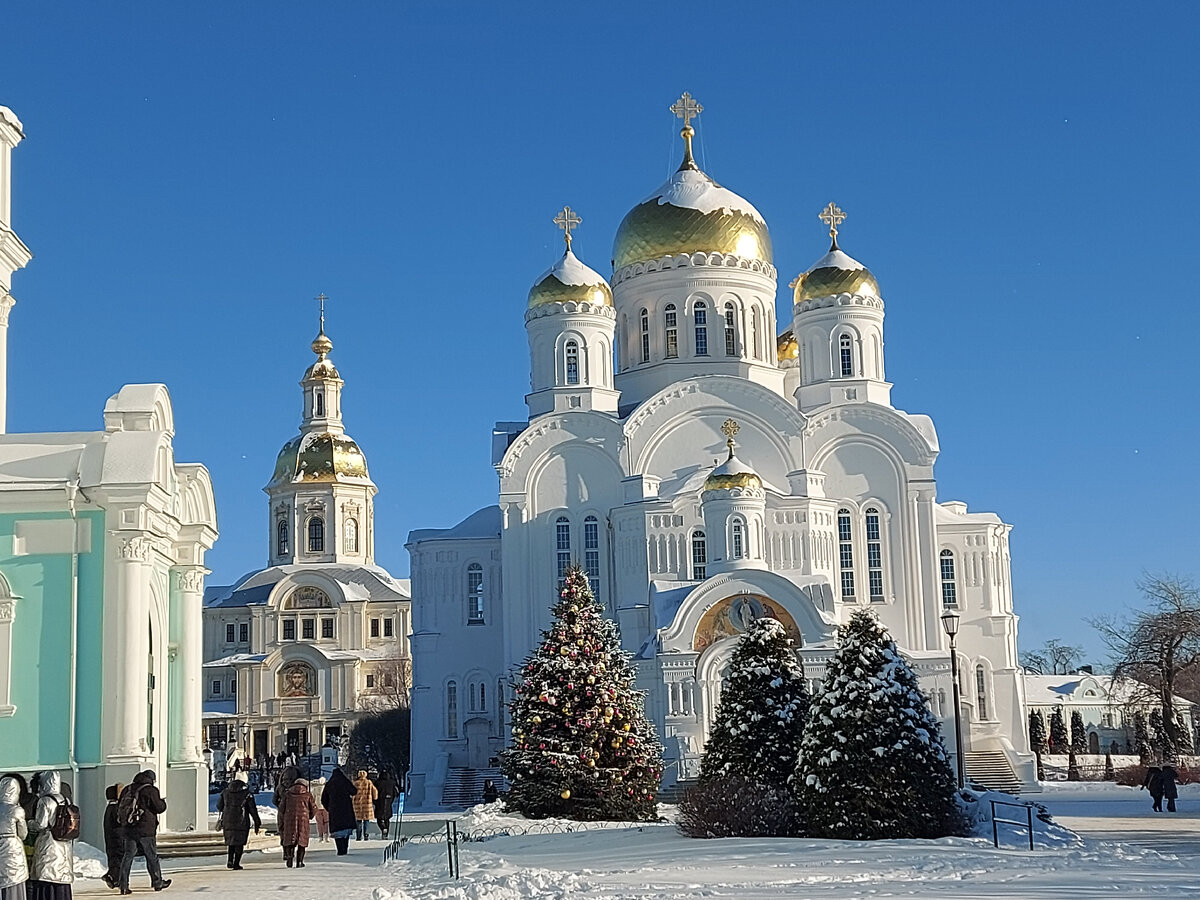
{"points": [[1078, 732], [764, 704], [582, 747], [872, 762], [1060, 741]]}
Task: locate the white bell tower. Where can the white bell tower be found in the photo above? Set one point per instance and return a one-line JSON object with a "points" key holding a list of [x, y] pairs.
{"points": [[13, 253]]}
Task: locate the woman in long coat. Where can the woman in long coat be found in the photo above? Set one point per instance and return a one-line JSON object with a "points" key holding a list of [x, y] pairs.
{"points": [[1170, 791], [13, 828], [364, 803], [53, 867], [238, 811], [295, 812], [338, 798], [386, 786]]}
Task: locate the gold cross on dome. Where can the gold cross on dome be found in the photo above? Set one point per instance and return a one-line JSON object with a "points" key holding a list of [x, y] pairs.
{"points": [[686, 108], [321, 298], [566, 220], [833, 217], [730, 428]]}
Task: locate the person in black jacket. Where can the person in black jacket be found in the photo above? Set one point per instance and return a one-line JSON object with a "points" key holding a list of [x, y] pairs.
{"points": [[384, 801], [338, 798], [114, 847], [1153, 782], [238, 810], [138, 809]]}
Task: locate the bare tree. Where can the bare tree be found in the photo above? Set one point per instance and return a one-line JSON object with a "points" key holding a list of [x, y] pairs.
{"points": [[1157, 644], [391, 682], [1053, 658]]}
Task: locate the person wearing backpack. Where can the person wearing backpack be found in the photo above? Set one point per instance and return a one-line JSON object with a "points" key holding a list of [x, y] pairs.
{"points": [[138, 810], [55, 825]]}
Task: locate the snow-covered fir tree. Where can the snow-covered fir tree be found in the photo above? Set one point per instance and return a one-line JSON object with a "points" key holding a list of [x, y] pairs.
{"points": [[1160, 741], [1141, 736], [872, 761], [582, 747], [764, 703], [1183, 732], [1060, 741], [1078, 732], [1037, 731]]}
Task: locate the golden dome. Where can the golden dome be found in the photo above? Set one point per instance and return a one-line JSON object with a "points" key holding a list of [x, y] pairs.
{"points": [[323, 367], [320, 457], [569, 280], [786, 346], [733, 473], [690, 213], [835, 273]]}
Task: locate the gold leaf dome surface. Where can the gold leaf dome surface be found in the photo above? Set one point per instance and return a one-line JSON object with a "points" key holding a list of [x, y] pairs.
{"points": [[835, 273], [319, 457], [569, 280], [733, 473], [691, 213], [786, 346]]}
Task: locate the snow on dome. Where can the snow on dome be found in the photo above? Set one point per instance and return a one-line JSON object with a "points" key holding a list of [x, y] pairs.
{"points": [[835, 273], [692, 189], [570, 280], [733, 473]]}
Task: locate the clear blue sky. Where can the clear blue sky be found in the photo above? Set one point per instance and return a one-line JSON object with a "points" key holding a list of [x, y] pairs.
{"points": [[1021, 178]]}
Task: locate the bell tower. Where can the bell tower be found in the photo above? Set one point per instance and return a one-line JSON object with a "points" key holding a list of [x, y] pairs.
{"points": [[13, 253]]}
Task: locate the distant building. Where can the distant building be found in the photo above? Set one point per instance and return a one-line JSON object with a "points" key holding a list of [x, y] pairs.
{"points": [[295, 652], [102, 543], [1107, 707]]}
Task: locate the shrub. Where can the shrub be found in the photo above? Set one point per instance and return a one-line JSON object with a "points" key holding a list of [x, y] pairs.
{"points": [[1135, 776], [733, 806]]}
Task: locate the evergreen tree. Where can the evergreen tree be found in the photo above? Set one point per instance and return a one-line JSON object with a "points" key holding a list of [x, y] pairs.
{"points": [[764, 704], [1059, 741], [1037, 731], [1183, 731], [1141, 737], [1160, 741], [1072, 766], [1078, 732], [872, 762], [1110, 773], [582, 745]]}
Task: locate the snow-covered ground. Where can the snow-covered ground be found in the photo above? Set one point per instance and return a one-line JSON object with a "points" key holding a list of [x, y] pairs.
{"points": [[655, 862]]}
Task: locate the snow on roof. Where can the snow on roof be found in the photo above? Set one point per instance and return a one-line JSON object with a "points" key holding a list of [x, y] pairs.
{"points": [[235, 659], [954, 512], [666, 597], [692, 189], [1052, 690], [569, 270], [836, 259], [357, 583], [219, 709], [483, 523], [692, 483]]}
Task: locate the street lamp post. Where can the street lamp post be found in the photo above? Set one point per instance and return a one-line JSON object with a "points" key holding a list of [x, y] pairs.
{"points": [[950, 623], [246, 744]]}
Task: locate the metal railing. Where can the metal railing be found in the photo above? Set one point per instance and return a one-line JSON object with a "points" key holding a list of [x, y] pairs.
{"points": [[1026, 822]]}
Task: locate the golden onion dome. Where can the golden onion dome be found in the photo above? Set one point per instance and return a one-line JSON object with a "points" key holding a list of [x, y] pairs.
{"points": [[320, 457], [835, 273], [691, 213], [733, 473], [786, 346], [323, 367], [569, 280]]}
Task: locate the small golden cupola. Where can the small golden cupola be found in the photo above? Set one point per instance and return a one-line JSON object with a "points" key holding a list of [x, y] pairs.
{"points": [[733, 473], [691, 213], [569, 280], [836, 272]]}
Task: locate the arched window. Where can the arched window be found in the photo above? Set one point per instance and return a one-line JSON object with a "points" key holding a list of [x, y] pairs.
{"points": [[562, 545], [316, 535], [949, 590], [283, 537], [699, 556], [452, 710], [645, 336], [319, 404], [846, 554], [730, 330], [1093, 743], [350, 535], [737, 542], [874, 557], [572, 362], [671, 323], [591, 552], [500, 707], [847, 356], [482, 696], [700, 317], [981, 693], [754, 333], [474, 594]]}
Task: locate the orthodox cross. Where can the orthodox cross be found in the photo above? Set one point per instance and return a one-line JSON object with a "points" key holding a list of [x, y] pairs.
{"points": [[729, 429], [566, 220], [833, 217], [321, 298], [686, 108]]}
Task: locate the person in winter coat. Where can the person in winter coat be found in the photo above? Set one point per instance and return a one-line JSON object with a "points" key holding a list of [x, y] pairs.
{"points": [[1153, 782], [52, 869], [364, 803], [338, 799], [238, 811], [283, 781], [295, 812], [1170, 789], [14, 870], [138, 809], [490, 793], [114, 847], [316, 788], [385, 785]]}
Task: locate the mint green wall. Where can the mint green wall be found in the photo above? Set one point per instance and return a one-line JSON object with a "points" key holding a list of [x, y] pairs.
{"points": [[37, 734]]}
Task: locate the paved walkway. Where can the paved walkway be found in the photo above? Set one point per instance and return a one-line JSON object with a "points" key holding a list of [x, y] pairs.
{"points": [[1127, 817]]}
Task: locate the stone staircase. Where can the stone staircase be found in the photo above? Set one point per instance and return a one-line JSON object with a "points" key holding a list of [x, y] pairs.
{"points": [[674, 793], [992, 770], [177, 844], [464, 787]]}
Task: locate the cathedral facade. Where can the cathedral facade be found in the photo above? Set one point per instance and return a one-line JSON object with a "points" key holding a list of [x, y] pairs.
{"points": [[707, 466]]}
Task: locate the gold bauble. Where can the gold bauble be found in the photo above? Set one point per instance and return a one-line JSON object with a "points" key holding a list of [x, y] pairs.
{"points": [[566, 795]]}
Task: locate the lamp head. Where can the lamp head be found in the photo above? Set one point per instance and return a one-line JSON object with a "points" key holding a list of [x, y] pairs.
{"points": [[950, 622]]}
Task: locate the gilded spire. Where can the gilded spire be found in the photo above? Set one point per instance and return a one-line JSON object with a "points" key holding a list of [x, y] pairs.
{"points": [[321, 345], [566, 220], [687, 108], [833, 217]]}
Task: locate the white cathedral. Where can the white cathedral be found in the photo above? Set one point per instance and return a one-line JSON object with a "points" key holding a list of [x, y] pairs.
{"points": [[705, 471]]}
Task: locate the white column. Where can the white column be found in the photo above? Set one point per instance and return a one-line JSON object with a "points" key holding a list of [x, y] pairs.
{"points": [[7, 301], [132, 650], [189, 585]]}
